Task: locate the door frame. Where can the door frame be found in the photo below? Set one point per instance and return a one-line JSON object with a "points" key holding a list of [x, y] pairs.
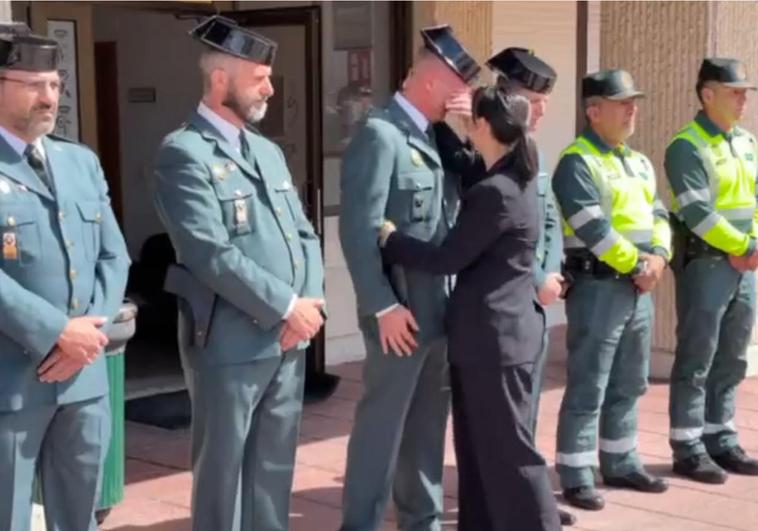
{"points": [[310, 18]]}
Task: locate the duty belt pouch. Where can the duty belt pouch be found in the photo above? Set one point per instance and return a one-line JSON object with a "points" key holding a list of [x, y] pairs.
{"points": [[200, 299]]}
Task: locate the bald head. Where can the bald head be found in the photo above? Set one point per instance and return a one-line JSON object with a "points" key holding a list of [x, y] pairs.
{"points": [[430, 83]]}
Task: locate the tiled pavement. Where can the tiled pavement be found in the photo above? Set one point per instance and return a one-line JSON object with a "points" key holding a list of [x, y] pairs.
{"points": [[158, 481]]}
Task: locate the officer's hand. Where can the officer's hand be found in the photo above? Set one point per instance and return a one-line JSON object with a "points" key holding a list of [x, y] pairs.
{"points": [[288, 338], [58, 367], [305, 320], [740, 263], [396, 329], [651, 274], [458, 113], [82, 340], [550, 289]]}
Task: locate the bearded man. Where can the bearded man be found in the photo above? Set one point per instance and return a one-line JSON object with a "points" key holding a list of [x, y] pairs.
{"points": [[63, 273], [249, 283]]}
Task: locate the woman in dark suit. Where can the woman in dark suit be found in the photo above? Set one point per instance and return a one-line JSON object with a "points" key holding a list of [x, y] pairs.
{"points": [[494, 327]]}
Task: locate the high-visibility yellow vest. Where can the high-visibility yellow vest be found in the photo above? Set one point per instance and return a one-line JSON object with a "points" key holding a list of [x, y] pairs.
{"points": [[731, 174], [626, 201]]}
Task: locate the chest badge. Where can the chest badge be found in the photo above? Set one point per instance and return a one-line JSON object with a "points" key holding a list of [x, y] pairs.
{"points": [[10, 247], [416, 158], [240, 212], [218, 171]]}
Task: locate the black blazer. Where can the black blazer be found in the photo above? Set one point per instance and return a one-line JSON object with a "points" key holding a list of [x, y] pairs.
{"points": [[492, 318]]}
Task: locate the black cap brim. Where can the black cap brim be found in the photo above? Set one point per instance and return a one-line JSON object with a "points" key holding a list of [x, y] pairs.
{"points": [[626, 95], [740, 84]]}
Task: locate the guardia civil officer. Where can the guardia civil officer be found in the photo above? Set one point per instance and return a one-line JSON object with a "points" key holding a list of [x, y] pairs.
{"points": [[250, 284], [617, 242], [711, 168], [392, 169], [63, 272]]}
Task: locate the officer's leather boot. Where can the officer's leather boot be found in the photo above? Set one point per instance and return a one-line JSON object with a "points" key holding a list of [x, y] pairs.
{"points": [[737, 461], [585, 498], [701, 468]]}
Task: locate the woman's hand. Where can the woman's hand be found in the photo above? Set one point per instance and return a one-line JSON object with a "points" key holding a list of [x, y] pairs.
{"points": [[386, 229]]}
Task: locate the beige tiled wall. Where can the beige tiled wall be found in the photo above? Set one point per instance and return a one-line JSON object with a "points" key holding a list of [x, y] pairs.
{"points": [[662, 45]]}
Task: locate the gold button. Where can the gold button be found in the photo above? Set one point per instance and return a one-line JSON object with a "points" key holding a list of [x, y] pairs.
{"points": [[69, 244], [297, 264], [98, 217], [11, 221], [61, 214], [238, 193], [278, 211], [200, 333], [72, 274], [74, 303], [289, 236]]}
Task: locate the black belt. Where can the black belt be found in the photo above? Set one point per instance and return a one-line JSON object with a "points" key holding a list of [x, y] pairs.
{"points": [[590, 265]]}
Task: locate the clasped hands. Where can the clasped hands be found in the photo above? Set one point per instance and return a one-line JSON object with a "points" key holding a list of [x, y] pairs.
{"points": [[80, 343], [304, 322], [651, 273]]}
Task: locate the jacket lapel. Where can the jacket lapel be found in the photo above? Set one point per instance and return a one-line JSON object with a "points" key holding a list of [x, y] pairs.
{"points": [[15, 167], [417, 139], [211, 134]]}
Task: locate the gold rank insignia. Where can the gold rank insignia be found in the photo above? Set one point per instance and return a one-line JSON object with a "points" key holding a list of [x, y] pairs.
{"points": [[218, 171], [240, 212], [10, 248], [416, 158]]}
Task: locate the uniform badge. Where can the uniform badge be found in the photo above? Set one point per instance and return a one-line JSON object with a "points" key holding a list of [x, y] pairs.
{"points": [[416, 158], [240, 212], [10, 247], [5, 187], [218, 171], [230, 166]]}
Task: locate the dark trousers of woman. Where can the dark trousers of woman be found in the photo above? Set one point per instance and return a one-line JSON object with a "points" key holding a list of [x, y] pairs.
{"points": [[503, 482]]}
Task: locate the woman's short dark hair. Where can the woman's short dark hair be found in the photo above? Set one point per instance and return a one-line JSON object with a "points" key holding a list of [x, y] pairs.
{"points": [[508, 117]]}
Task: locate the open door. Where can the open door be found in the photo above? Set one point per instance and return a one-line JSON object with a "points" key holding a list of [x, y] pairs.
{"points": [[294, 121]]}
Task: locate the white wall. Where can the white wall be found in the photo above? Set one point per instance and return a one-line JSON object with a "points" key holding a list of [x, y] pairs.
{"points": [[548, 28], [153, 50]]}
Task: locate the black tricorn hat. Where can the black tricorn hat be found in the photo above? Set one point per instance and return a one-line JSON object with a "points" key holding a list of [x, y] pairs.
{"points": [[20, 50], [441, 42], [522, 66], [227, 36]]}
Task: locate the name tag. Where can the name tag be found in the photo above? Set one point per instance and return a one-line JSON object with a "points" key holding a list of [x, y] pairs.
{"points": [[240, 212]]}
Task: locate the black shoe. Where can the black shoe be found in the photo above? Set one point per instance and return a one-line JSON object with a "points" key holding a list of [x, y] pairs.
{"points": [[567, 519], [737, 461], [701, 468], [638, 480], [585, 498]]}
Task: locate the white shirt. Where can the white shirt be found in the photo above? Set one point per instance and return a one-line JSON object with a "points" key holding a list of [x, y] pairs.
{"points": [[422, 123], [19, 145], [228, 130], [419, 119], [231, 134]]}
